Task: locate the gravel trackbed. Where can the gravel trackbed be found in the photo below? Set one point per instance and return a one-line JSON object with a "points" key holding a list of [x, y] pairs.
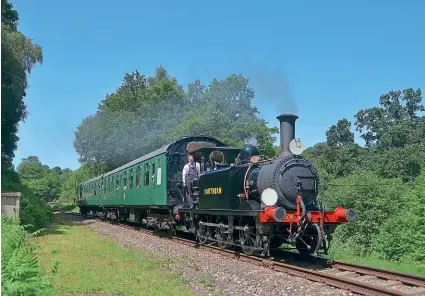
{"points": [[211, 274]]}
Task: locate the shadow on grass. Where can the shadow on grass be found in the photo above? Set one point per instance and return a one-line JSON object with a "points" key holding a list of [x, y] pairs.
{"points": [[62, 222]]}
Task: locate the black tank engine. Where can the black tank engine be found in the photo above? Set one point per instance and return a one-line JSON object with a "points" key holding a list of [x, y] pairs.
{"points": [[256, 203]]}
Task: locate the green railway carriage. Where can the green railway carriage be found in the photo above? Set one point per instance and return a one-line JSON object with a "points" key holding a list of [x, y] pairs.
{"points": [[149, 184]]}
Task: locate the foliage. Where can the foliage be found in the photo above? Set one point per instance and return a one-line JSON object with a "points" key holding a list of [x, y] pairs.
{"points": [[64, 207], [19, 55], [133, 121], [382, 181], [85, 172], [20, 272], [340, 135], [224, 110], [374, 122], [396, 145], [32, 211], [147, 113], [375, 200], [402, 238], [44, 182]]}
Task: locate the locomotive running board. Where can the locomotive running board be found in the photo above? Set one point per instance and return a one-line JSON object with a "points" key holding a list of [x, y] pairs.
{"points": [[219, 212]]}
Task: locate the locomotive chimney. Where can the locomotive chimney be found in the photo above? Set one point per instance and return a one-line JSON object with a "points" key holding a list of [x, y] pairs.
{"points": [[287, 132]]}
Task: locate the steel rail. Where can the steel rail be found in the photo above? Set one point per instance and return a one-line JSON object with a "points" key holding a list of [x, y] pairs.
{"points": [[316, 276], [406, 278]]}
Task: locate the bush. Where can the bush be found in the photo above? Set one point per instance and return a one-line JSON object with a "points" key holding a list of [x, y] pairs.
{"points": [[32, 212], [21, 274], [63, 207], [402, 238], [375, 199]]}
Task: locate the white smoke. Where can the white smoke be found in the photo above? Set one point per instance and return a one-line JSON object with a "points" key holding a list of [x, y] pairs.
{"points": [[252, 140]]}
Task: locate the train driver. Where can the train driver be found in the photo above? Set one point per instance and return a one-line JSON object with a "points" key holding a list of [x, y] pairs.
{"points": [[190, 173]]}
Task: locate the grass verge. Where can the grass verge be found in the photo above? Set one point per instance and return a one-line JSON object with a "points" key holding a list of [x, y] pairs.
{"points": [[79, 261], [407, 267]]}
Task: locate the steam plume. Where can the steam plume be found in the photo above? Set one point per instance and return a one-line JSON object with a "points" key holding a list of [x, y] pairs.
{"points": [[273, 87]]}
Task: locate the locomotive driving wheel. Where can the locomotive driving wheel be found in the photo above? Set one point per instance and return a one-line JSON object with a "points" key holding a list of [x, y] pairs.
{"points": [[248, 238], [203, 231], [222, 235]]}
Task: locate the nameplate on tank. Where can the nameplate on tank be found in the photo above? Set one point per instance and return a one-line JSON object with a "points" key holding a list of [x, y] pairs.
{"points": [[213, 191]]}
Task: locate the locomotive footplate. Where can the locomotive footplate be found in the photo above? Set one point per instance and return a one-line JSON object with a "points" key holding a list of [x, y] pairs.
{"points": [[219, 212]]}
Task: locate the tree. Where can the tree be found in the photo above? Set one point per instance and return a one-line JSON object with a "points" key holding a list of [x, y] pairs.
{"points": [[46, 188], [57, 170], [44, 183], [224, 110], [32, 211], [19, 56], [146, 113], [31, 168], [85, 172], [339, 135], [373, 123], [133, 121]]}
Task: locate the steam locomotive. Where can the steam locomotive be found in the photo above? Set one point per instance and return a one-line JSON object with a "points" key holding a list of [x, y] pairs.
{"points": [[242, 199]]}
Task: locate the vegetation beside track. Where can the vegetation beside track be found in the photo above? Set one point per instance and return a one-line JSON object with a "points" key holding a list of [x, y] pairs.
{"points": [[407, 267], [79, 261], [383, 180]]}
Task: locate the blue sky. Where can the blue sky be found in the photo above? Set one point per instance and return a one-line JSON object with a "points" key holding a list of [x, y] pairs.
{"points": [[332, 58]]}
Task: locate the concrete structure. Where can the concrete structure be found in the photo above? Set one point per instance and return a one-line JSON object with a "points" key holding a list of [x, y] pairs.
{"points": [[10, 202]]}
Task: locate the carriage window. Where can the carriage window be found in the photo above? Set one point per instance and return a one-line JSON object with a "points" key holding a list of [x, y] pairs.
{"points": [[153, 173], [99, 189], [117, 183], [146, 175], [138, 177], [158, 173], [130, 180], [95, 190], [124, 184]]}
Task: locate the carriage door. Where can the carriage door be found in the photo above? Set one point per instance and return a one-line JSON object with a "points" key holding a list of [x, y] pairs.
{"points": [[153, 174], [102, 191]]}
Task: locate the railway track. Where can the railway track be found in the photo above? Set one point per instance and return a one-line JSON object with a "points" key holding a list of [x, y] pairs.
{"points": [[356, 278]]}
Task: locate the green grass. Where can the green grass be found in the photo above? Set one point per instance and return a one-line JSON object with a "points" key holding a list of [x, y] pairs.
{"points": [[79, 261], [412, 268]]}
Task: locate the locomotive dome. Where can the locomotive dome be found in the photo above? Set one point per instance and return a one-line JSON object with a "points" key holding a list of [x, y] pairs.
{"points": [[247, 152]]}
